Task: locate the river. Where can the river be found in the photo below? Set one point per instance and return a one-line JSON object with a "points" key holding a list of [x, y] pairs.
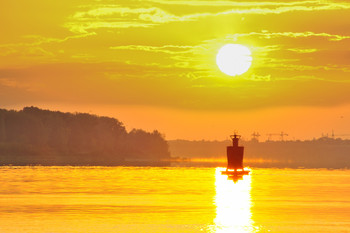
{"points": [[65, 199]]}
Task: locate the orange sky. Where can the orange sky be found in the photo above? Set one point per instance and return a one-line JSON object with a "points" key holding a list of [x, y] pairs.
{"points": [[151, 64]]}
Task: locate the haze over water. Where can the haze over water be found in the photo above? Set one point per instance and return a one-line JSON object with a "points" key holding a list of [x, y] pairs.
{"points": [[172, 199]]}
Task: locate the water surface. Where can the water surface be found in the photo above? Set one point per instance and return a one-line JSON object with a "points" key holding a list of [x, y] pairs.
{"points": [[152, 199]]}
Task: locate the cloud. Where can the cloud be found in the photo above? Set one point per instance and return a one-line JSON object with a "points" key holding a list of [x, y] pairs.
{"points": [[34, 46], [120, 17], [299, 67], [268, 35], [117, 16], [298, 50], [261, 7], [180, 56], [255, 77], [39, 40], [232, 3], [169, 49], [311, 78]]}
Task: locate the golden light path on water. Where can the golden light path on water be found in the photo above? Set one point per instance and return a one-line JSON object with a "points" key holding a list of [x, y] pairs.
{"points": [[233, 204]]}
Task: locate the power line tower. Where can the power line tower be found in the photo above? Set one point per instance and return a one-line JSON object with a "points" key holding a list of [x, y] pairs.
{"points": [[255, 136], [269, 136], [282, 135]]}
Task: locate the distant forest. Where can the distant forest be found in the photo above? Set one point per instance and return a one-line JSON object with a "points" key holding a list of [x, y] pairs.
{"points": [[36, 136]]}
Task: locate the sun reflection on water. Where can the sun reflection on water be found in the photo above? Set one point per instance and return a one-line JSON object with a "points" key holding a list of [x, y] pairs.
{"points": [[233, 202]]}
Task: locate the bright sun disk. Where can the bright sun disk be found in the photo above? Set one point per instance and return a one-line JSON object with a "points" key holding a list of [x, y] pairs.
{"points": [[234, 59]]}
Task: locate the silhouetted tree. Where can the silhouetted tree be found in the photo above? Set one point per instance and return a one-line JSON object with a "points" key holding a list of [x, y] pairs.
{"points": [[33, 135]]}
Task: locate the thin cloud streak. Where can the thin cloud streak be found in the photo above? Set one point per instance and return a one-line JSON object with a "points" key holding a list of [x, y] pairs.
{"points": [[116, 16], [169, 49], [268, 35]]}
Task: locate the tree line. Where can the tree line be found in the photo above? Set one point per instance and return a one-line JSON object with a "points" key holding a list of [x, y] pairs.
{"points": [[37, 136]]}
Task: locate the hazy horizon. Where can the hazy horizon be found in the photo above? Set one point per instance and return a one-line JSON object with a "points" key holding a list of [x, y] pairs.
{"points": [[166, 120]]}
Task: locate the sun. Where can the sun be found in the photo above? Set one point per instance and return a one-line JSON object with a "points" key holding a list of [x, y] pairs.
{"points": [[234, 59]]}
